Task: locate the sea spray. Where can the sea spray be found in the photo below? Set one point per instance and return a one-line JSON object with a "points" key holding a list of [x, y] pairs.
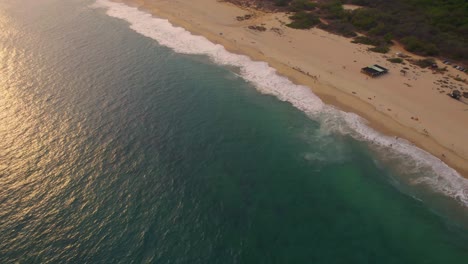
{"points": [[437, 174]]}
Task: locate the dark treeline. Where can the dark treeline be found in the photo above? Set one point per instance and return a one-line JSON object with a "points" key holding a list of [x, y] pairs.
{"points": [[425, 27]]}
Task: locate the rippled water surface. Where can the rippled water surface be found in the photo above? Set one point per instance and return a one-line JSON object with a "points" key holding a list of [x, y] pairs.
{"points": [[116, 149]]}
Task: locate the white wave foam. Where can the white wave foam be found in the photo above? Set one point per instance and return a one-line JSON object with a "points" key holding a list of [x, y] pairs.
{"points": [[438, 175]]}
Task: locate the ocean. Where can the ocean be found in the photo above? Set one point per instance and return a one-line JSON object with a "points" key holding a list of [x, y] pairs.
{"points": [[127, 140]]}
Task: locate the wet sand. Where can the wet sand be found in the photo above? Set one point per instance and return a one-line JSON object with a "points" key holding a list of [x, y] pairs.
{"points": [[413, 106]]}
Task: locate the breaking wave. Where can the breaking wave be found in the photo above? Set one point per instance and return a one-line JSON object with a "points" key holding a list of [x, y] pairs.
{"points": [[421, 167]]}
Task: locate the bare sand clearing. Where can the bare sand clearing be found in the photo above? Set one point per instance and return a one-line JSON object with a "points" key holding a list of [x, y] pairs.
{"points": [[351, 7], [411, 106]]}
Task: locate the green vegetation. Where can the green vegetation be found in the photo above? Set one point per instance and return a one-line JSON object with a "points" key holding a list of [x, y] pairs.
{"points": [[395, 60], [415, 45], [303, 20], [367, 41], [301, 5], [380, 45], [333, 10], [340, 28], [425, 27], [282, 2], [380, 49], [459, 79], [425, 63]]}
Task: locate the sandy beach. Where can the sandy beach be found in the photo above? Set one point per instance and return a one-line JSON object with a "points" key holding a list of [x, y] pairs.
{"points": [[413, 106]]}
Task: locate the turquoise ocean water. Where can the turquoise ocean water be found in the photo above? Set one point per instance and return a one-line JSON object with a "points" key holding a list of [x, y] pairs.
{"points": [[126, 140]]}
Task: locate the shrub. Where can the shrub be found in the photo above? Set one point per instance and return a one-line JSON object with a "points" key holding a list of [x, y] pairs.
{"points": [[378, 30], [415, 45], [367, 41], [334, 9], [388, 38], [282, 2], [300, 5], [340, 28], [380, 49], [364, 19], [303, 20], [424, 63], [395, 60]]}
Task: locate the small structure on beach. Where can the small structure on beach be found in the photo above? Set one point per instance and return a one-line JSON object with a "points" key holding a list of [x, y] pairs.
{"points": [[374, 70]]}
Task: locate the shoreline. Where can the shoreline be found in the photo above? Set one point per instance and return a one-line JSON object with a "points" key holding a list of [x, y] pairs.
{"points": [[325, 88]]}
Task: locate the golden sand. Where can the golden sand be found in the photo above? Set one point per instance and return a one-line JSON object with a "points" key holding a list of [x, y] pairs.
{"points": [[408, 106]]}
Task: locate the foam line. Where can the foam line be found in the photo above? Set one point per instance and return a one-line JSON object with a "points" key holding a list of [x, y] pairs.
{"points": [[432, 171]]}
